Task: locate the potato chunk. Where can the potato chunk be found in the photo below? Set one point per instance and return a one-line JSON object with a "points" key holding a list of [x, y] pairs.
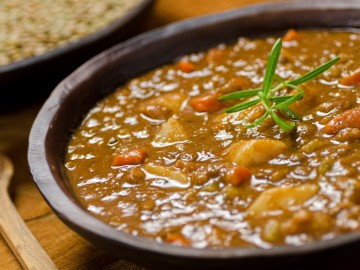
{"points": [[249, 115], [282, 198], [171, 173], [171, 132], [255, 152]]}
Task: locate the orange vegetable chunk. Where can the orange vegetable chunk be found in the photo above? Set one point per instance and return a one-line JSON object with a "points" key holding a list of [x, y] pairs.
{"points": [[207, 102], [186, 66], [238, 175], [291, 35], [177, 239], [132, 157], [351, 80], [347, 119]]}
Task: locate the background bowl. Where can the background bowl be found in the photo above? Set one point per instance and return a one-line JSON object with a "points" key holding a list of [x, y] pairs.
{"points": [[75, 95], [32, 78]]}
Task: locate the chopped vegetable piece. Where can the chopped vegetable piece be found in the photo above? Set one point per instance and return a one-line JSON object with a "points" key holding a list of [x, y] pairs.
{"points": [[170, 173], [186, 67], [280, 198], [237, 175], [207, 102], [255, 152], [177, 239], [272, 231], [132, 157], [171, 132], [351, 80], [291, 35], [347, 119]]}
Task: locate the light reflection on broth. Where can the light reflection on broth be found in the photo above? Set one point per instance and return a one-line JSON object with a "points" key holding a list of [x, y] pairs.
{"points": [[174, 170]]}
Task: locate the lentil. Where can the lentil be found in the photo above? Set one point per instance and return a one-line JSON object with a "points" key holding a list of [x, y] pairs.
{"points": [[33, 27]]}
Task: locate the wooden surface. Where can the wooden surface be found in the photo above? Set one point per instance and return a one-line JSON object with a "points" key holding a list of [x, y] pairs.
{"points": [[68, 250], [16, 233]]}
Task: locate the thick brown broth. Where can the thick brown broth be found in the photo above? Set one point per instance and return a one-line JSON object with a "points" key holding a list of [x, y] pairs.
{"points": [[159, 158]]}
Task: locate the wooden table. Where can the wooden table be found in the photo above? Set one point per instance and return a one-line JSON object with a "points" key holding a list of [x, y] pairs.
{"points": [[67, 249]]}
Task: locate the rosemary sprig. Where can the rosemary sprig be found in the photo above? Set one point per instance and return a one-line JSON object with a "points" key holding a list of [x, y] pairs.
{"points": [[265, 95]]}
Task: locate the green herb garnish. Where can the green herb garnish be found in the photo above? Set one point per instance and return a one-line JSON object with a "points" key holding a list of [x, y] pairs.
{"points": [[265, 95]]}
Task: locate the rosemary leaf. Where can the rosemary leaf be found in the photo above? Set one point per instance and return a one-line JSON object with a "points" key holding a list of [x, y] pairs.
{"points": [[279, 99], [242, 106], [314, 73], [282, 123], [289, 101], [289, 113], [258, 121], [240, 94], [266, 96], [271, 66]]}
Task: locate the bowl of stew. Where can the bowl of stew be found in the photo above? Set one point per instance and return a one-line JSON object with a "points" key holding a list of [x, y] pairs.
{"points": [[135, 152]]}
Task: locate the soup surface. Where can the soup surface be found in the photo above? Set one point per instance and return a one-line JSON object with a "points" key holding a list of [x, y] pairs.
{"points": [[160, 158]]}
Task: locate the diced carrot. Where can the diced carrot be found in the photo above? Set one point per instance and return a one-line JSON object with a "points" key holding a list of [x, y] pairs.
{"points": [[291, 35], [207, 102], [347, 119], [215, 55], [177, 239], [238, 175], [186, 66], [351, 80], [132, 157]]}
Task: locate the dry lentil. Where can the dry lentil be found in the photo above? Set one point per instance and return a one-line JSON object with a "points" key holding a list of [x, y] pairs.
{"points": [[33, 27]]}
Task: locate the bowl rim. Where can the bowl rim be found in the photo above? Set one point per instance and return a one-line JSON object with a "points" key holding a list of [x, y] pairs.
{"points": [[42, 172], [92, 38]]}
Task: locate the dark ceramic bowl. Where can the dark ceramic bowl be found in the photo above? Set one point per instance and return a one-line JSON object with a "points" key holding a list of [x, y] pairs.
{"points": [[75, 95], [28, 79]]}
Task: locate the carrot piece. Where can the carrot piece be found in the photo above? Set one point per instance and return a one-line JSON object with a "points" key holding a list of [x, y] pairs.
{"points": [[347, 119], [132, 157], [207, 102], [177, 239], [186, 66], [351, 80], [237, 175], [291, 35]]}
